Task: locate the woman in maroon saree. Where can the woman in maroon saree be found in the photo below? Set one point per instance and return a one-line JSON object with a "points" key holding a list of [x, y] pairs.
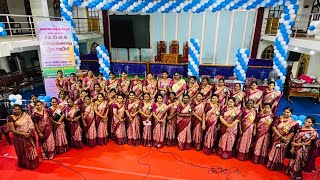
{"points": [[178, 85], [163, 85], [43, 126], [238, 95], [57, 118], [263, 132], [192, 87], [101, 109], [145, 111], [206, 89], [150, 86], [61, 82], [271, 96], [222, 91], [198, 119], [159, 113], [284, 129], [247, 130], [90, 81], [62, 99], [119, 120], [78, 87], [136, 86], [133, 120], [255, 94], [112, 99], [229, 117], [73, 115], [97, 90], [124, 83], [102, 82], [184, 114], [72, 80], [24, 141], [211, 124], [170, 137], [89, 122], [112, 83], [32, 105], [301, 143]]}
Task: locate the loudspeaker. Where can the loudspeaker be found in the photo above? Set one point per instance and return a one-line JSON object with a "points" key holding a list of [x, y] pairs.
{"points": [[294, 56]]}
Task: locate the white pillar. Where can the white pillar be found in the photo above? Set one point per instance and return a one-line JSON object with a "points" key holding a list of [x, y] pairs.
{"points": [[39, 8]]}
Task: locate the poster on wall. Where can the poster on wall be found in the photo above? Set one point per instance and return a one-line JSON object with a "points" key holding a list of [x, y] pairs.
{"points": [[57, 53]]}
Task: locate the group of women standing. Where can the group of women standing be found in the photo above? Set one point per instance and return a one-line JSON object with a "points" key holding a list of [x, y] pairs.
{"points": [[215, 119]]}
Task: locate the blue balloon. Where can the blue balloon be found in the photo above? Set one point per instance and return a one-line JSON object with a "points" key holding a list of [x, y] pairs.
{"points": [[247, 51], [99, 56], [302, 118], [2, 25], [40, 98], [101, 69], [311, 28], [13, 100], [47, 98]]}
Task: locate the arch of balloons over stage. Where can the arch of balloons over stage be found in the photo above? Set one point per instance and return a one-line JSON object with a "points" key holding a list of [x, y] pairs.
{"points": [[193, 6]]}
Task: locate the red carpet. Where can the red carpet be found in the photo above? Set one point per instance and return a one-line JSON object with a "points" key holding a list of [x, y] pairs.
{"points": [[119, 162]]}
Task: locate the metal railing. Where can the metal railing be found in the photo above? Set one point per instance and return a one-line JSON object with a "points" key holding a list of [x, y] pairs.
{"points": [[24, 25], [300, 29]]}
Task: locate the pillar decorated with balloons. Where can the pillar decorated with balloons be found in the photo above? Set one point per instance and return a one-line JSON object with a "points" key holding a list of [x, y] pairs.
{"points": [[193, 59], [66, 13], [282, 41], [241, 67], [104, 60]]}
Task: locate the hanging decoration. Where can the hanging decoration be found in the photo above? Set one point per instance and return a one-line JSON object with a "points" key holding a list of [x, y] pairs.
{"points": [[193, 59], [241, 67], [15, 99], [66, 13], [3, 32], [45, 99], [104, 61], [314, 28], [299, 119]]}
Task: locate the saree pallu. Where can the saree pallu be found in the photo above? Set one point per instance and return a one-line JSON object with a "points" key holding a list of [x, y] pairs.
{"points": [[228, 135], [90, 129], [119, 126], [133, 130], [193, 90], [223, 94], [159, 127], [170, 136], [272, 97], [184, 128], [294, 169], [197, 131], [245, 141], [110, 117], [25, 147], [164, 84], [262, 139], [206, 91], [151, 88], [279, 148], [314, 153], [137, 88], [147, 129], [210, 137], [256, 96], [74, 129], [59, 132], [112, 84], [102, 125], [239, 96], [61, 84], [125, 85], [47, 143], [89, 84], [178, 87]]}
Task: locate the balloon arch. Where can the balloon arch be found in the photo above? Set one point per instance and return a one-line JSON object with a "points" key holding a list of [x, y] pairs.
{"points": [[290, 8]]}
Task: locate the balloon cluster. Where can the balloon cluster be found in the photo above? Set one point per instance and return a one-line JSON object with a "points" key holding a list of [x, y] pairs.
{"points": [[314, 28], [45, 99], [242, 64], [193, 59], [299, 119], [2, 31], [175, 6], [66, 13], [104, 61], [282, 41], [15, 99]]}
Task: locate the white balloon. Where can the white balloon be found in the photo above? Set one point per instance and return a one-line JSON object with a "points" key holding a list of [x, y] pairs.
{"points": [[241, 71], [150, 5], [292, 16], [18, 102], [103, 65], [143, 10], [18, 97], [192, 63], [277, 88], [162, 8], [98, 48], [286, 23], [242, 51], [280, 38], [198, 6], [299, 122], [237, 63], [291, 11], [243, 55], [189, 73], [197, 41], [100, 61], [287, 3], [11, 103], [78, 67], [106, 68], [239, 67], [280, 74], [178, 8], [131, 7], [104, 55], [12, 96], [317, 24], [214, 5], [281, 59], [290, 6], [182, 5], [281, 20], [194, 9], [120, 3], [135, 4]]}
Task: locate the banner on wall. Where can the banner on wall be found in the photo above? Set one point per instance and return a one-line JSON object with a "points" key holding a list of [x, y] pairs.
{"points": [[57, 53]]}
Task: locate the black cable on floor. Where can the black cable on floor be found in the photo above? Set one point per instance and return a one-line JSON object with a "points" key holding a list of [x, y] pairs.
{"points": [[69, 169], [211, 170], [149, 167]]}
